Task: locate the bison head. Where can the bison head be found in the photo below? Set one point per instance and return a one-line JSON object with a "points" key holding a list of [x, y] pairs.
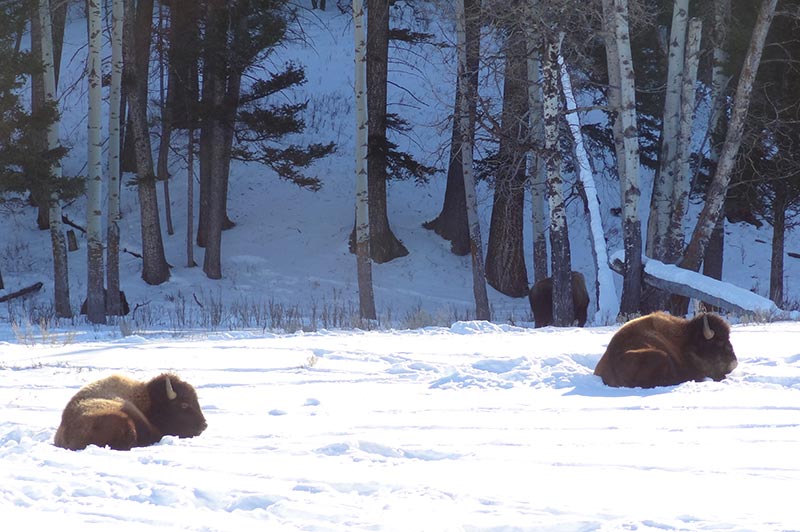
{"points": [[174, 408], [710, 346]]}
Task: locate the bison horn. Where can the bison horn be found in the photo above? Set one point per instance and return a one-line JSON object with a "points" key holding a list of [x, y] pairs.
{"points": [[171, 395], [708, 333]]}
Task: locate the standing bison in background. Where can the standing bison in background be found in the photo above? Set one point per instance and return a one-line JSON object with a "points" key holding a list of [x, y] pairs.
{"points": [[541, 299], [123, 413], [663, 350]]}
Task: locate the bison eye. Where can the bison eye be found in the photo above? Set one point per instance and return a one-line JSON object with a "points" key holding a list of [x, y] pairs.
{"points": [[185, 406]]}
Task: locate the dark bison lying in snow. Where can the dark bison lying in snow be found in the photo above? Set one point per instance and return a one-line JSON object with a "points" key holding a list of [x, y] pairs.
{"points": [[541, 299], [662, 350], [123, 413]]}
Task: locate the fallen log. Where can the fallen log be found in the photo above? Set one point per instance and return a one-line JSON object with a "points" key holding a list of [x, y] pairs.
{"points": [[19, 293], [687, 283]]}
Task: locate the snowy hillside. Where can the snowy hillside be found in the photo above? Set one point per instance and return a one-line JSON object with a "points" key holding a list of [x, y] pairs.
{"points": [[288, 252]]}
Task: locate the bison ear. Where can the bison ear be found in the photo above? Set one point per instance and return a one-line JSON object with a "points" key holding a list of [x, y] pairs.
{"points": [[171, 395], [708, 332]]}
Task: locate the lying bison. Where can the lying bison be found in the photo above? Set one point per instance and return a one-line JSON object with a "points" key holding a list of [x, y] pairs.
{"points": [[541, 299], [663, 350], [123, 413]]}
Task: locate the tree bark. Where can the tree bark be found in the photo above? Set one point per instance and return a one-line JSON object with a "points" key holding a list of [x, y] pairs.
{"points": [[155, 269], [60, 264], [366, 296], [113, 303], [384, 245], [682, 180], [505, 257], [629, 176], [715, 197], [466, 127], [538, 170], [95, 298], [560, 259], [778, 245], [452, 223], [664, 181]]}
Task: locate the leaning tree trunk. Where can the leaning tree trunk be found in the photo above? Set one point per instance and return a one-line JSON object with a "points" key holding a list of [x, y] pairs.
{"points": [[95, 299], [452, 223], [466, 128], [60, 264], [505, 257], [629, 168], [155, 269], [715, 197], [560, 259], [384, 245], [366, 295]]}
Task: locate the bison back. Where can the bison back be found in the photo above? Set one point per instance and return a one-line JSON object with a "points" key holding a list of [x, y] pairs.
{"points": [[114, 423]]}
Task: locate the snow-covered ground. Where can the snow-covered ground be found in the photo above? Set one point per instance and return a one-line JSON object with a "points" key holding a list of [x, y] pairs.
{"points": [[472, 427]]}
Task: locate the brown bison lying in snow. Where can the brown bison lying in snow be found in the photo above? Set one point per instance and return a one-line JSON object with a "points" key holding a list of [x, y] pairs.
{"points": [[123, 413], [541, 300], [663, 350]]}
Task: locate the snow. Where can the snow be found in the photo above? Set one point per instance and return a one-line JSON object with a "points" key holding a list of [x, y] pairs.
{"points": [[473, 427], [455, 425]]}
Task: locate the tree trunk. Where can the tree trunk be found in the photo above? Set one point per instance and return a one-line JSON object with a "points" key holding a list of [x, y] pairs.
{"points": [[715, 197], [384, 245], [155, 269], [162, 166], [605, 294], [682, 179], [560, 259], [629, 176], [663, 183], [212, 137], [778, 241], [466, 128], [538, 170], [95, 298], [60, 264], [505, 258], [113, 303], [142, 28], [452, 223], [366, 296], [190, 263]]}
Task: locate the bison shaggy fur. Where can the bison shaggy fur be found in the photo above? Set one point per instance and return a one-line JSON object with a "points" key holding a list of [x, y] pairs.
{"points": [[541, 300], [121, 413], [664, 350]]}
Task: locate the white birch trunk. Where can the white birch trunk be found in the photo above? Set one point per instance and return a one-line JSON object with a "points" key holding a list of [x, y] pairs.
{"points": [[113, 303], [95, 301], [680, 194], [60, 264], [715, 197], [629, 181], [663, 184], [364, 263], [560, 260], [537, 169], [607, 303], [466, 126], [614, 84]]}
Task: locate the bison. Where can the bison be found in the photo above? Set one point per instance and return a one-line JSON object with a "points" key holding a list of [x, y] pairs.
{"points": [[123, 413], [664, 350], [541, 299]]}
